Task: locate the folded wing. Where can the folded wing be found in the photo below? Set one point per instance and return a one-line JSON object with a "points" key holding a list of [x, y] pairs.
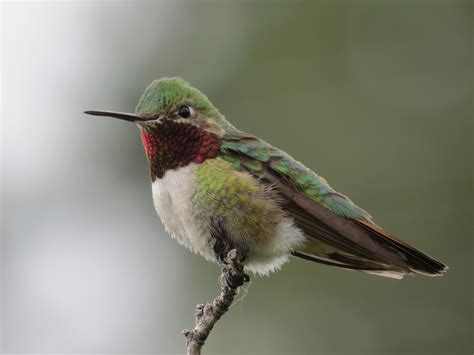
{"points": [[339, 233]]}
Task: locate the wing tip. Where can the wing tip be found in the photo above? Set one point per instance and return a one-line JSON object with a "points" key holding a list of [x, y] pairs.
{"points": [[416, 261], [439, 270], [384, 270]]}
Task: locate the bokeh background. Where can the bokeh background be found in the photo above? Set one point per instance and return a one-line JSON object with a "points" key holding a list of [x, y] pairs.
{"points": [[374, 95]]}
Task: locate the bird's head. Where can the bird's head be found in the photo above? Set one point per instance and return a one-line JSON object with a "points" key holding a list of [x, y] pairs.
{"points": [[179, 124], [172, 99]]}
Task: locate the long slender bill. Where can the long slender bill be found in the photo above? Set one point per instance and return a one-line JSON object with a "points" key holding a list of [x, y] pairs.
{"points": [[120, 115]]}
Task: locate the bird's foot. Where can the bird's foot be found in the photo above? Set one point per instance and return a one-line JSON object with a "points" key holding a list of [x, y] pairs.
{"points": [[233, 270], [235, 281]]}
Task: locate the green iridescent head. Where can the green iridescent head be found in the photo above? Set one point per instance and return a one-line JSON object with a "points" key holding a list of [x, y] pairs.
{"points": [[174, 98], [166, 94]]}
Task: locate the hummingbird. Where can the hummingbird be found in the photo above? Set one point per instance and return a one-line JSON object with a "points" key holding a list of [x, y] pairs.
{"points": [[217, 188]]}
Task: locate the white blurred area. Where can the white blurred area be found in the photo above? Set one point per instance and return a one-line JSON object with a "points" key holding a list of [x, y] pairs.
{"points": [[86, 265], [74, 278], [375, 96]]}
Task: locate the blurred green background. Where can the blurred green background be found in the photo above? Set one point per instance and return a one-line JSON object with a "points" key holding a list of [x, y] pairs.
{"points": [[376, 96]]}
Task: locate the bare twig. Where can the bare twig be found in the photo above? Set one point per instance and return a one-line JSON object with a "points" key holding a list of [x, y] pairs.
{"points": [[232, 277]]}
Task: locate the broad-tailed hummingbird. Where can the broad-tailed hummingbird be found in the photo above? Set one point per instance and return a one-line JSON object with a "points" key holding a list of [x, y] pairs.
{"points": [[216, 187]]}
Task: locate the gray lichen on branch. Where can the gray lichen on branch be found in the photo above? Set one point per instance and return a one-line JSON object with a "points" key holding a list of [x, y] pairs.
{"points": [[232, 277]]}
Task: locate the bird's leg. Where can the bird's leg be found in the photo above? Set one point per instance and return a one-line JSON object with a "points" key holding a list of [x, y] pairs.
{"points": [[221, 246], [221, 242], [233, 269]]}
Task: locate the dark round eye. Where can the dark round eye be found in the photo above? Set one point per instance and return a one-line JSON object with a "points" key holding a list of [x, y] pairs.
{"points": [[184, 111]]}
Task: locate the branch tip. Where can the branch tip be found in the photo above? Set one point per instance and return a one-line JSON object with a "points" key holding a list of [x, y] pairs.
{"points": [[231, 278]]}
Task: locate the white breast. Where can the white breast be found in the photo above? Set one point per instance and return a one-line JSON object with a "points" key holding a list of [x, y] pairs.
{"points": [[172, 196]]}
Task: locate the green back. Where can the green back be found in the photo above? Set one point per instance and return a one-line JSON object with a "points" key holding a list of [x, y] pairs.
{"points": [[255, 155]]}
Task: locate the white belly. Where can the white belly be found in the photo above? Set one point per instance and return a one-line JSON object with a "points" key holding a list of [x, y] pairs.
{"points": [[172, 197]]}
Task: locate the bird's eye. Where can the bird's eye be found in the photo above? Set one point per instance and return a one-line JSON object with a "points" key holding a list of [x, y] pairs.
{"points": [[184, 111]]}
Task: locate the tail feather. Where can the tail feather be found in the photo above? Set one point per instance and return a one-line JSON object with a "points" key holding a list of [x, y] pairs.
{"points": [[358, 265], [418, 261], [414, 260]]}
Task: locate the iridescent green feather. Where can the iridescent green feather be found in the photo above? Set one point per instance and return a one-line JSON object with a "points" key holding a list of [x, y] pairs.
{"points": [[235, 198], [166, 93], [256, 155]]}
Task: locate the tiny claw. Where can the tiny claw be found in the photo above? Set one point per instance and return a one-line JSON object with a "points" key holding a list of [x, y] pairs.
{"points": [[235, 281], [221, 259]]}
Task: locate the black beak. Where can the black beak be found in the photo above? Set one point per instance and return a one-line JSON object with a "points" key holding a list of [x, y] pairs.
{"points": [[120, 115]]}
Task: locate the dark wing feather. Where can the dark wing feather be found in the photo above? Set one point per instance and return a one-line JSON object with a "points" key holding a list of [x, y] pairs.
{"points": [[418, 261], [320, 223]]}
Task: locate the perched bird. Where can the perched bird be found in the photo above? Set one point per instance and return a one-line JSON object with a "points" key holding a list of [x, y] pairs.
{"points": [[216, 187]]}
